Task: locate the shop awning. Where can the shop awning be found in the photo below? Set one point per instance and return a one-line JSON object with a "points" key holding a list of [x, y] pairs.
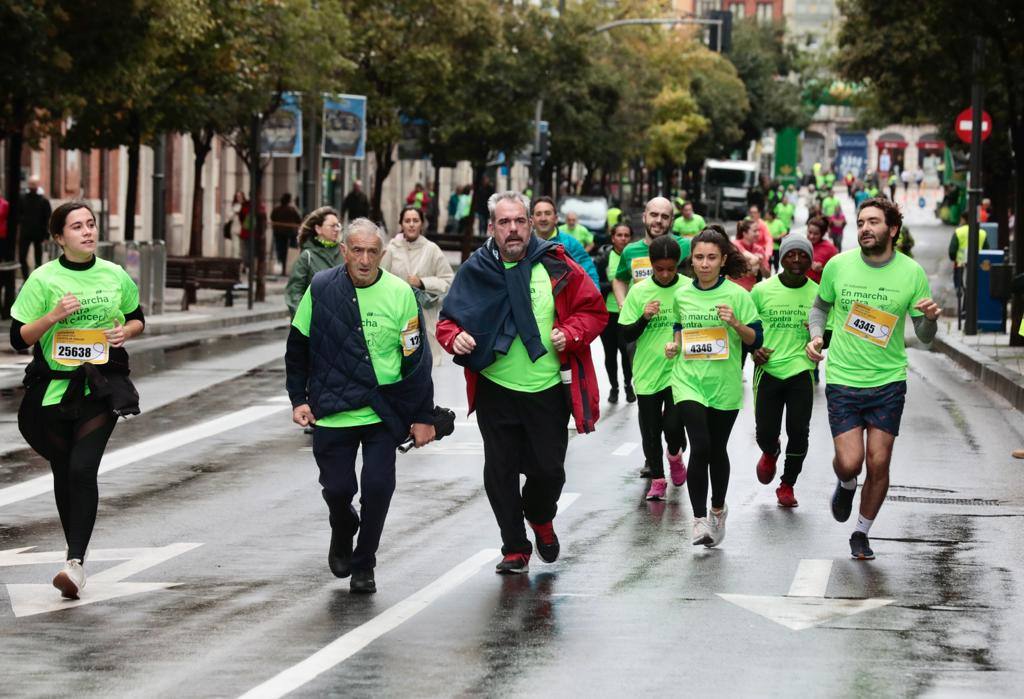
{"points": [[891, 144], [929, 144]]}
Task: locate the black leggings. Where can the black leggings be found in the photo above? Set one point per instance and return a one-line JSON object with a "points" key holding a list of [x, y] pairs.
{"points": [[796, 396], [658, 416], [613, 342], [708, 430], [74, 448]]}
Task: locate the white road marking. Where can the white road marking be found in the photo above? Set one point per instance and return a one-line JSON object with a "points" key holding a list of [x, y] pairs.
{"points": [[32, 599], [147, 448], [626, 449], [279, 399], [811, 579], [358, 638], [805, 605]]}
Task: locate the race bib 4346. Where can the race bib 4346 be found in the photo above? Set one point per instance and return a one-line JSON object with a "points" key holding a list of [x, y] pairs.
{"points": [[706, 343]]}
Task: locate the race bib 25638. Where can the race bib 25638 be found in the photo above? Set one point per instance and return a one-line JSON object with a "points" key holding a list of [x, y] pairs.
{"points": [[75, 346]]}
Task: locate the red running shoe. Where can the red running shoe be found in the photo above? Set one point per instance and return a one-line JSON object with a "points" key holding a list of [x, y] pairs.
{"points": [[513, 563], [676, 468], [785, 495], [767, 465], [547, 541]]}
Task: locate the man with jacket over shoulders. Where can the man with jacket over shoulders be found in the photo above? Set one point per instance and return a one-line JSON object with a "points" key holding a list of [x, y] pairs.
{"points": [[520, 317]]}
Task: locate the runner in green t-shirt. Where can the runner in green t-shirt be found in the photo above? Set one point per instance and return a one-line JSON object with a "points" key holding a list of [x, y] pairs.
{"points": [[713, 317], [870, 291], [778, 229], [646, 319], [785, 211], [322, 384], [688, 224], [782, 373], [829, 204], [635, 262], [75, 310], [577, 230], [611, 339]]}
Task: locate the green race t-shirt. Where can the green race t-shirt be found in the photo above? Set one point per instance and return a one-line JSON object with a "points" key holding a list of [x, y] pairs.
{"points": [[613, 264], [580, 233], [785, 213], [514, 370], [652, 370], [784, 313], [715, 383], [105, 292], [635, 262], [829, 206], [778, 229], [888, 293], [688, 229], [388, 312]]}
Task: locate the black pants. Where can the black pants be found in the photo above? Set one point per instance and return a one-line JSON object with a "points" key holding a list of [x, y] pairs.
{"points": [[281, 244], [24, 244], [795, 395], [658, 416], [74, 448], [524, 433], [614, 343], [335, 451], [708, 430]]}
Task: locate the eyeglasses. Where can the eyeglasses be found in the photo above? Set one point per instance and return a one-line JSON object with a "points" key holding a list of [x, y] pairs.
{"points": [[507, 222]]}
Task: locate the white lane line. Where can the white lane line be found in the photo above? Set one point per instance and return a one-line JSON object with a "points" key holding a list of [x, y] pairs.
{"points": [[811, 579], [147, 448], [358, 638], [626, 449], [280, 399]]}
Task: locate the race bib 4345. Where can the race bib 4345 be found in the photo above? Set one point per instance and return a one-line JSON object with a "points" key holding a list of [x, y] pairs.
{"points": [[870, 324]]}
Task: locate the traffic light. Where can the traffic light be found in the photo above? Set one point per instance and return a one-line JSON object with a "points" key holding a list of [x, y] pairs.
{"points": [[720, 41]]}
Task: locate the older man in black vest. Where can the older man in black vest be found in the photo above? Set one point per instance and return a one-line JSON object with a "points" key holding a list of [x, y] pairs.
{"points": [[358, 368]]}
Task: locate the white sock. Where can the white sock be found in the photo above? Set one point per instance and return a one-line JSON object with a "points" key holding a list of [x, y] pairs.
{"points": [[850, 484], [864, 524]]}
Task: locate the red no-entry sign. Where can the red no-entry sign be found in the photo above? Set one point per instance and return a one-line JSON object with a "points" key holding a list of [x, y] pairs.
{"points": [[963, 125]]}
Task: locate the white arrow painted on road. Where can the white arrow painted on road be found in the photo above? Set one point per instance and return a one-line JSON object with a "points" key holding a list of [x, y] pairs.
{"points": [[31, 599], [805, 605]]}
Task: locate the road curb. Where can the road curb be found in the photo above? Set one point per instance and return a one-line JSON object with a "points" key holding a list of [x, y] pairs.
{"points": [[1006, 382]]}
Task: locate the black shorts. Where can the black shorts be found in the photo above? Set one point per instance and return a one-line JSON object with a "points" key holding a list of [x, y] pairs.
{"points": [[878, 406]]}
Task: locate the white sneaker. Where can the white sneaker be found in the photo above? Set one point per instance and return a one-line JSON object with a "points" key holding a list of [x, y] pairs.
{"points": [[71, 579], [701, 532], [717, 525]]}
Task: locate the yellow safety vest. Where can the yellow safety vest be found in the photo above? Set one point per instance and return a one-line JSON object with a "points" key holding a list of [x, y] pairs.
{"points": [[961, 242]]}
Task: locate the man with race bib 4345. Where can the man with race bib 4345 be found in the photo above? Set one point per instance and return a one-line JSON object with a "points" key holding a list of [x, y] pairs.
{"points": [[870, 291]]}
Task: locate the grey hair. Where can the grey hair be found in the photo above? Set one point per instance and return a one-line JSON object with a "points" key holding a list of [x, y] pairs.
{"points": [[508, 195], [363, 226]]}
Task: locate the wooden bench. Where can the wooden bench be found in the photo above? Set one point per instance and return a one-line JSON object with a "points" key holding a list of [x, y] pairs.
{"points": [[192, 273]]}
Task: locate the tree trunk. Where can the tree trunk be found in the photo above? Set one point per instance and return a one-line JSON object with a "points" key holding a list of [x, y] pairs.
{"points": [[385, 161], [202, 141], [15, 140], [133, 186]]}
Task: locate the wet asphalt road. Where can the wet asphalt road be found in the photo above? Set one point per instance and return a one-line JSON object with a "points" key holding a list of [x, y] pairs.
{"points": [[630, 607]]}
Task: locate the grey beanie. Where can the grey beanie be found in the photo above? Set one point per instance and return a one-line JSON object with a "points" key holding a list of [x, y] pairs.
{"points": [[796, 241]]}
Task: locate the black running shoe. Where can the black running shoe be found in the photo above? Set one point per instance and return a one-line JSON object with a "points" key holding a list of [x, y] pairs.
{"points": [[613, 395], [646, 471], [630, 394], [547, 541], [339, 557], [860, 547], [363, 582], [842, 502]]}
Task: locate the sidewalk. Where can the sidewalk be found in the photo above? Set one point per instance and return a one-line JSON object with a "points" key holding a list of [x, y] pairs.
{"points": [[988, 357], [207, 319]]}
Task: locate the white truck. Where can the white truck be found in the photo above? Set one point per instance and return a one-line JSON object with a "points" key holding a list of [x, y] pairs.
{"points": [[726, 185]]}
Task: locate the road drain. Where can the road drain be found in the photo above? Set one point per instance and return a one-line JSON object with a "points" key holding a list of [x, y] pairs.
{"points": [[963, 502]]}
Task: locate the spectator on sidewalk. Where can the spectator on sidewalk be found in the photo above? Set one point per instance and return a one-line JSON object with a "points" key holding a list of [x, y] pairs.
{"points": [[355, 204], [34, 220], [318, 243], [285, 220]]}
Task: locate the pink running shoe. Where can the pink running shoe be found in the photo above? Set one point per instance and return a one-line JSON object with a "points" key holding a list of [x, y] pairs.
{"points": [[658, 488], [676, 468]]}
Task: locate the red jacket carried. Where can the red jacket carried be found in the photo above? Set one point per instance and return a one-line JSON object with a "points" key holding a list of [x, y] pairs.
{"points": [[580, 313]]}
